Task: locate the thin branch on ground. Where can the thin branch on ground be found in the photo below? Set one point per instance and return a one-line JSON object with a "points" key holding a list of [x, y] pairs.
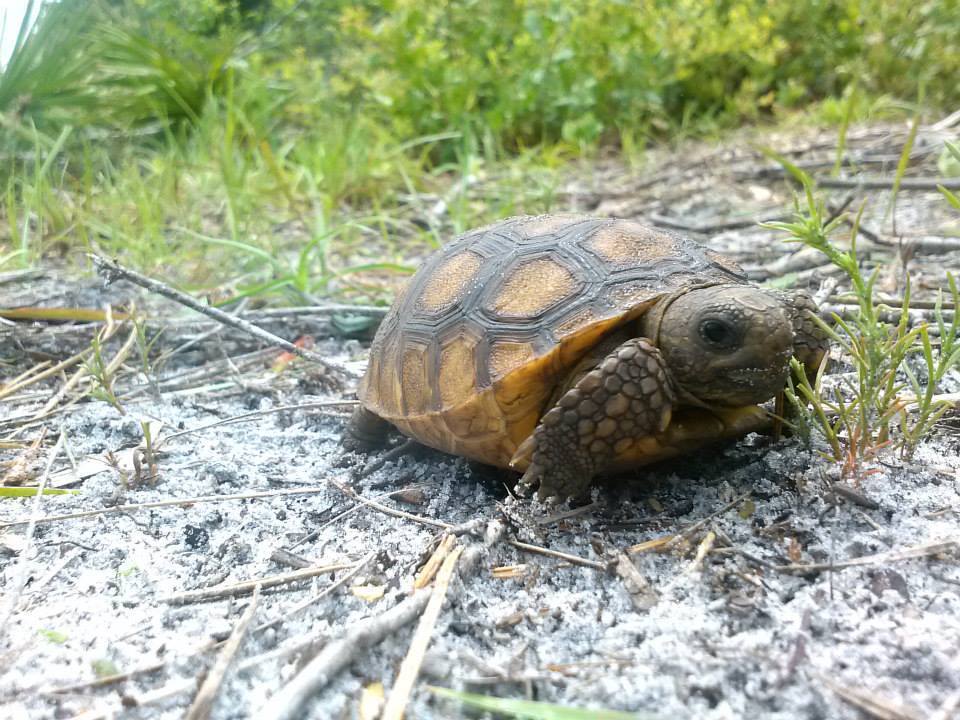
{"points": [[124, 706], [239, 588], [124, 676], [115, 509], [870, 703], [948, 708], [207, 694], [314, 534], [567, 514], [378, 462], [706, 545], [547, 552], [336, 655], [642, 594], [688, 532], [920, 551], [430, 568], [300, 607], [352, 494], [12, 388], [112, 270], [326, 309], [256, 414], [867, 182], [410, 667]]}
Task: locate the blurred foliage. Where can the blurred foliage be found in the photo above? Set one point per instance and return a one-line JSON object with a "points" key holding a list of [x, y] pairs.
{"points": [[535, 71], [130, 124], [523, 71]]}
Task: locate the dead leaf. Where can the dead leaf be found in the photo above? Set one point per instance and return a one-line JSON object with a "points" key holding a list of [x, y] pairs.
{"points": [[368, 593], [371, 701]]}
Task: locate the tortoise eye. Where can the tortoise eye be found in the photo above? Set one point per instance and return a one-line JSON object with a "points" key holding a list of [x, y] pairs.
{"points": [[717, 332]]}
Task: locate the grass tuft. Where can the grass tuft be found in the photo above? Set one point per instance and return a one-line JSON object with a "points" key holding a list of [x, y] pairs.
{"points": [[868, 412]]}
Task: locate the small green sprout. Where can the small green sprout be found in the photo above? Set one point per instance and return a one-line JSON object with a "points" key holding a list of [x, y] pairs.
{"points": [[54, 636]]}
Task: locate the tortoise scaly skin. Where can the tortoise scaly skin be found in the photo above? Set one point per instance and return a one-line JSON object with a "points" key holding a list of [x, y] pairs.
{"points": [[566, 346]]}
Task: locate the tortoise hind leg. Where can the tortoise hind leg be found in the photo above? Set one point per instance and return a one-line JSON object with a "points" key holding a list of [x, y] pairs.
{"points": [[365, 431], [626, 397]]}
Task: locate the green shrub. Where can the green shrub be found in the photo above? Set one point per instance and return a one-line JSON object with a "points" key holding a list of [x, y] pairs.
{"points": [[129, 121]]}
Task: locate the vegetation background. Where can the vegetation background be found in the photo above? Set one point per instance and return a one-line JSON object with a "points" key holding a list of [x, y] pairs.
{"points": [[284, 146]]}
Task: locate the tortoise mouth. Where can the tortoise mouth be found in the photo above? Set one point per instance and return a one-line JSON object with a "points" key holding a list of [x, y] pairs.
{"points": [[751, 386], [744, 384]]}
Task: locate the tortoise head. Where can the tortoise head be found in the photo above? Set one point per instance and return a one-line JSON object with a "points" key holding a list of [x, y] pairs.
{"points": [[727, 345]]}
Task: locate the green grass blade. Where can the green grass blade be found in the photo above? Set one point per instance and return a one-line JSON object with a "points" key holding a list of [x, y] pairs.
{"points": [[532, 710], [55, 150], [236, 245], [902, 166], [13, 255], [19, 492], [367, 267], [844, 127], [951, 197], [953, 149], [796, 173]]}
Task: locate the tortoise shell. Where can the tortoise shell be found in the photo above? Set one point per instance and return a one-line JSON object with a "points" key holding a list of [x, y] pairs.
{"points": [[473, 349]]}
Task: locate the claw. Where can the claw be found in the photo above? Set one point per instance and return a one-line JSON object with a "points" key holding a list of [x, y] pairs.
{"points": [[529, 482]]}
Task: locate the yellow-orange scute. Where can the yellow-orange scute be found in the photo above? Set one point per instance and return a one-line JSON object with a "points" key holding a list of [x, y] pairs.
{"points": [[416, 383], [631, 244], [507, 355], [450, 282], [457, 373], [532, 287]]}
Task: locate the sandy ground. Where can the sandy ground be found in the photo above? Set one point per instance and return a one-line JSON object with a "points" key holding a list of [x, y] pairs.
{"points": [[788, 596]]}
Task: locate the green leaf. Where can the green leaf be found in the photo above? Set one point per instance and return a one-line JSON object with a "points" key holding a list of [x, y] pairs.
{"points": [[54, 636], [104, 668], [531, 710]]}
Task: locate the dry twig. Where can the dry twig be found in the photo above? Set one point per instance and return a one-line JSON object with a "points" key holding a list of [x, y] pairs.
{"points": [[410, 667], [866, 182], [352, 494], [685, 534], [112, 270], [338, 654], [706, 545], [245, 586], [870, 703], [547, 552], [246, 417], [920, 551], [163, 503], [429, 570], [121, 677], [172, 689], [343, 580], [948, 708], [641, 592], [203, 702]]}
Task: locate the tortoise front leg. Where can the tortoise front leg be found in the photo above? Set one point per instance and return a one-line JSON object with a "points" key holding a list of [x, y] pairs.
{"points": [[810, 341], [626, 397], [365, 431]]}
